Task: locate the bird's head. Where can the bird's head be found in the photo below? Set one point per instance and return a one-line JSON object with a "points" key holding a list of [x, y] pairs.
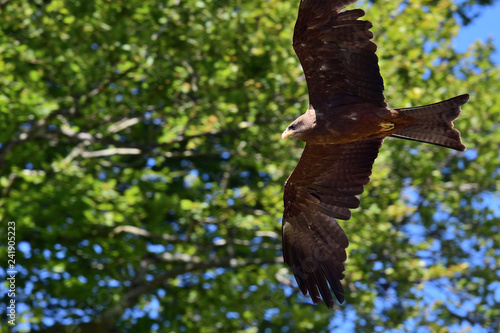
{"points": [[299, 128]]}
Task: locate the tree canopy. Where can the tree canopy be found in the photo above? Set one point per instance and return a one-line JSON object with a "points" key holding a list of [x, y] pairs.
{"points": [[140, 157]]}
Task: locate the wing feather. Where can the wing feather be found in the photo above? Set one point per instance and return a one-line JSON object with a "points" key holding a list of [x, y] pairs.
{"points": [[337, 55], [323, 187]]}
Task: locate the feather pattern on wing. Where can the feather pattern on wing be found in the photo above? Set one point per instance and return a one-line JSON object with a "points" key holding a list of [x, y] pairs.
{"points": [[322, 188], [337, 55]]}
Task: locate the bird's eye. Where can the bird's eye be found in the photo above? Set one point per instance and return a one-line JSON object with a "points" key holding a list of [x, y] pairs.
{"points": [[291, 127]]}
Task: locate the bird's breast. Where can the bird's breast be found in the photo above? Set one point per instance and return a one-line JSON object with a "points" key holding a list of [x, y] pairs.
{"points": [[347, 124]]}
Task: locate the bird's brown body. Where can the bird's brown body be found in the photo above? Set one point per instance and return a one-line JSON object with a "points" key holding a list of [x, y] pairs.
{"points": [[344, 127], [354, 123]]}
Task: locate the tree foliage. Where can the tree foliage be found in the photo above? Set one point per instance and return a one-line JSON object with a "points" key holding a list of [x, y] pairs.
{"points": [[141, 160]]}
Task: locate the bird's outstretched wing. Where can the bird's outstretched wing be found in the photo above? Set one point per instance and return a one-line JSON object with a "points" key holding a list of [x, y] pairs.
{"points": [[337, 55], [321, 189]]}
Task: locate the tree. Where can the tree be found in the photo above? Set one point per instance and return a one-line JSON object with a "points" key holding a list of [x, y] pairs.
{"points": [[141, 161]]}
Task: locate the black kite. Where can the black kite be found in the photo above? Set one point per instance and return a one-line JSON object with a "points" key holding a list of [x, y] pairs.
{"points": [[344, 127]]}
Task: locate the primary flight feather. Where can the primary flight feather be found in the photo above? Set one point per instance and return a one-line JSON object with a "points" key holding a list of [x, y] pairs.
{"points": [[344, 127]]}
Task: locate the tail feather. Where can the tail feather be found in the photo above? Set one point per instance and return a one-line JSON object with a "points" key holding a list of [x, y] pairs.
{"points": [[435, 123]]}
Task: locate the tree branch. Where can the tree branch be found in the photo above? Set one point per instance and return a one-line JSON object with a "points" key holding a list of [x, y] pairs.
{"points": [[23, 136], [122, 124], [172, 239], [132, 296], [111, 152], [130, 229]]}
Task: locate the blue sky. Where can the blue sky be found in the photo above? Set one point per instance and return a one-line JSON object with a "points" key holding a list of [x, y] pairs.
{"points": [[482, 28]]}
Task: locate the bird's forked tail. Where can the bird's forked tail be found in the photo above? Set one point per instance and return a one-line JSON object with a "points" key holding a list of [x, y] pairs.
{"points": [[435, 123]]}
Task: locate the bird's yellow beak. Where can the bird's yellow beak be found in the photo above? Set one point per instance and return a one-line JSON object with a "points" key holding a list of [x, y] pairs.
{"points": [[286, 134]]}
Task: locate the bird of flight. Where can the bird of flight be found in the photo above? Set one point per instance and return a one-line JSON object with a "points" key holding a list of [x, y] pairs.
{"points": [[344, 127]]}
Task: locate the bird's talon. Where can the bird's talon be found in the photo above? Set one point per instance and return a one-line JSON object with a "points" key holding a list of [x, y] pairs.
{"points": [[386, 125]]}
